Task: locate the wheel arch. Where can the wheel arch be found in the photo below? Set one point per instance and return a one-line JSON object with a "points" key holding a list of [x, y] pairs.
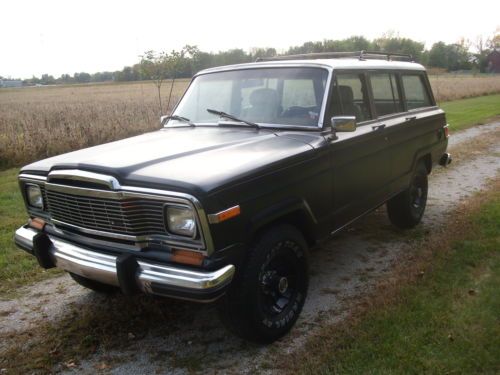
{"points": [[427, 159], [293, 212]]}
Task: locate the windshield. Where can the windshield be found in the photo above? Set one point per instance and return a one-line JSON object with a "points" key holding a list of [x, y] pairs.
{"points": [[285, 96]]}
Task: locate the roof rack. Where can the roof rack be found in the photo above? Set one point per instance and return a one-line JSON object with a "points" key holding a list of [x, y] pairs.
{"points": [[361, 55]]}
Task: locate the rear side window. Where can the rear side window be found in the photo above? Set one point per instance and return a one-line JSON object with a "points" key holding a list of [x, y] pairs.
{"points": [[415, 91], [386, 96], [350, 97]]}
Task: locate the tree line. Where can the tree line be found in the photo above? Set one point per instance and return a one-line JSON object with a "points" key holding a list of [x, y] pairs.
{"points": [[462, 55]]}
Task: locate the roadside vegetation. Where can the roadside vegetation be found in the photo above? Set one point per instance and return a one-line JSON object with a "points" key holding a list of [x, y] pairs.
{"points": [[437, 314]]}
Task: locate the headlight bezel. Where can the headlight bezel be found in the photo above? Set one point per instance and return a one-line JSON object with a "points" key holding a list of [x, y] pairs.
{"points": [[28, 188], [169, 209]]}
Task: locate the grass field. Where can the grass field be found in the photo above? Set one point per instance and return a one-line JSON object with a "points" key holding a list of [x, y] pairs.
{"points": [[466, 112], [16, 267], [444, 322], [40, 122]]}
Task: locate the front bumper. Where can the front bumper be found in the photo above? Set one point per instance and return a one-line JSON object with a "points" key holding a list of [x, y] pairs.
{"points": [[126, 272]]}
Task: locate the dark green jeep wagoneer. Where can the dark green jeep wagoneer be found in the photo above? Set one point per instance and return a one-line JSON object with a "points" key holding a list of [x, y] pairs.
{"points": [[256, 163]]}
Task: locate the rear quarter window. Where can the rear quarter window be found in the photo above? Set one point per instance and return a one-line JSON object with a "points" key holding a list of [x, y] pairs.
{"points": [[415, 91]]}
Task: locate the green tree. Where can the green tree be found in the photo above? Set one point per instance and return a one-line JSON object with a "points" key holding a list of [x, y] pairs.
{"points": [[396, 44], [438, 56], [256, 53], [47, 79], [232, 56], [82, 77]]}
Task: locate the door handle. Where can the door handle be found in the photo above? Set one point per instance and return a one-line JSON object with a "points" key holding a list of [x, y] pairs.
{"points": [[411, 118], [378, 127]]}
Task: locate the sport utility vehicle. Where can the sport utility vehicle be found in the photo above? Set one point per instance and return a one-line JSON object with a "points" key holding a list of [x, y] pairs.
{"points": [[256, 164]]}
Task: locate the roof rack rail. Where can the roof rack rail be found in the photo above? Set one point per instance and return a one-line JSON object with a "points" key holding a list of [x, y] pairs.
{"points": [[361, 55]]}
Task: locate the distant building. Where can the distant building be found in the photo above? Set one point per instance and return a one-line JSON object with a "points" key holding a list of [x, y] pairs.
{"points": [[493, 61], [10, 83]]}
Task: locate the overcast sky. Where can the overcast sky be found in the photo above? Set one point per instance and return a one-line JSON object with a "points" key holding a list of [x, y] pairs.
{"points": [[59, 37]]}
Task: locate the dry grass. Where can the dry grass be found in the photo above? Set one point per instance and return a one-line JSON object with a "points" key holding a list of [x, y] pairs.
{"points": [[447, 87], [44, 121]]}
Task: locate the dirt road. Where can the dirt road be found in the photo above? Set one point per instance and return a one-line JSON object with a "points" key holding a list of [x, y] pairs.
{"points": [[180, 337]]}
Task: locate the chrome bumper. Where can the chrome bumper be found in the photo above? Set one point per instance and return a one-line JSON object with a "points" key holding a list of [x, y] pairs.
{"points": [[150, 278]]}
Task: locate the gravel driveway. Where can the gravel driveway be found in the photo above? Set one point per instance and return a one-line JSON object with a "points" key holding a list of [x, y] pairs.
{"points": [[190, 337]]}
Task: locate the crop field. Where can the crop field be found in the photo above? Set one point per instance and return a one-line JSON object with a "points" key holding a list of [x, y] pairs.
{"points": [[40, 122], [447, 87], [44, 121]]}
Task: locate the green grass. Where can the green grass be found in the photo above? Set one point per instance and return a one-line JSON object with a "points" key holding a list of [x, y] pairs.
{"points": [[16, 267], [468, 112], [446, 323]]}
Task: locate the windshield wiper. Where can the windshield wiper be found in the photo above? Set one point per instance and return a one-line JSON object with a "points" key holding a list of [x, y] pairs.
{"points": [[231, 117], [178, 118]]}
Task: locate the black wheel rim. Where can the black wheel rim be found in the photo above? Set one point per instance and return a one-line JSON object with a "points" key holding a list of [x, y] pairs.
{"points": [[280, 283]]}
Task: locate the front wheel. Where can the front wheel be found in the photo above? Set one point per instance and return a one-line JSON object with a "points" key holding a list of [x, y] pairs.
{"points": [[407, 208], [266, 299]]}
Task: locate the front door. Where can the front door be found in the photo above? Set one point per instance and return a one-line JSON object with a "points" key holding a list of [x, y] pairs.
{"points": [[360, 161]]}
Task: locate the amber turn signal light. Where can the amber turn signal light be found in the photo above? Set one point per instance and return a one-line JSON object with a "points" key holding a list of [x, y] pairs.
{"points": [[187, 257], [36, 223], [224, 215]]}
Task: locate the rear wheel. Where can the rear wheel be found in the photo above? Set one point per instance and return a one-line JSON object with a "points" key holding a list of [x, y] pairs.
{"points": [[267, 297], [407, 208], [94, 285]]}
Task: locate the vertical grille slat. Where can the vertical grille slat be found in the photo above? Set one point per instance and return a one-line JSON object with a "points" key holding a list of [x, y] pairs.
{"points": [[132, 216]]}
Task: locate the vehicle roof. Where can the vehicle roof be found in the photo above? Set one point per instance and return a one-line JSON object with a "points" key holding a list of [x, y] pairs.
{"points": [[338, 63]]}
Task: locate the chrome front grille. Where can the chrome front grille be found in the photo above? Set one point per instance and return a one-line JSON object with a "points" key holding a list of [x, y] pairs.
{"points": [[130, 216]]}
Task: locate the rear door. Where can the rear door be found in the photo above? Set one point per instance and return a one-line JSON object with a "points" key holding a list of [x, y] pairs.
{"points": [[419, 128]]}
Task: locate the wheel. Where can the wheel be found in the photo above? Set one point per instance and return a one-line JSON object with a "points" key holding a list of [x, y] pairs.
{"points": [[407, 208], [94, 285], [267, 296]]}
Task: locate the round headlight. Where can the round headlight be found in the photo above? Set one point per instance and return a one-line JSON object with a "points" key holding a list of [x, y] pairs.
{"points": [[180, 220], [34, 194]]}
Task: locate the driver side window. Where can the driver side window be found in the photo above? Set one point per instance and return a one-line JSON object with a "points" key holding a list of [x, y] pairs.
{"points": [[350, 97]]}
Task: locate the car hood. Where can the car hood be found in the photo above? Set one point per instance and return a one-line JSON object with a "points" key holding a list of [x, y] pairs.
{"points": [[199, 159]]}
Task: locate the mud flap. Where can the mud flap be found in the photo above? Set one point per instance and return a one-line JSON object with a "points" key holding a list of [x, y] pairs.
{"points": [[126, 269]]}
